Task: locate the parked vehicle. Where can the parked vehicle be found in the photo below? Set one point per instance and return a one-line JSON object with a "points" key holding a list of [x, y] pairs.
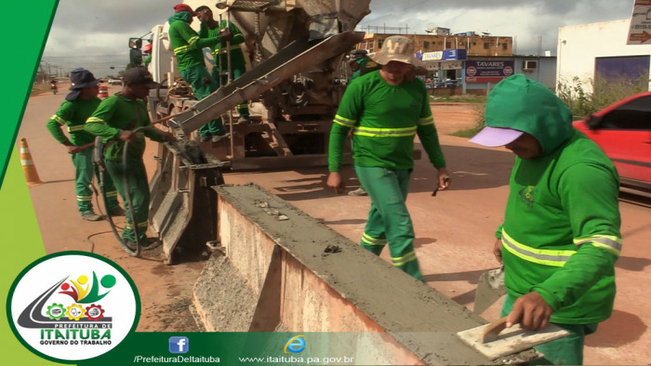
{"points": [[623, 131], [115, 82]]}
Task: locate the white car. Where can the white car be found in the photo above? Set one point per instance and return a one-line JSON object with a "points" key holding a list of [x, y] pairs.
{"points": [[115, 82]]}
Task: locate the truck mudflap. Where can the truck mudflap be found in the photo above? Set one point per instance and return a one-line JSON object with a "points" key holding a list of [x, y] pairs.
{"points": [[182, 208], [297, 57]]}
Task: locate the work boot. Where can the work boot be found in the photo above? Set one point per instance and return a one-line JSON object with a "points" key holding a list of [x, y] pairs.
{"points": [[358, 192], [118, 211], [150, 242], [205, 138], [219, 136], [91, 216]]}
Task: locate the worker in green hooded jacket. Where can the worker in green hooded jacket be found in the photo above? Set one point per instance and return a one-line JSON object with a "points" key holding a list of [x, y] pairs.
{"points": [[560, 236], [188, 46]]}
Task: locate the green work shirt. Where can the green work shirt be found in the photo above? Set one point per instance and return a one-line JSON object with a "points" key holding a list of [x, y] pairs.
{"points": [[385, 119], [237, 56], [73, 115], [186, 43], [114, 115]]}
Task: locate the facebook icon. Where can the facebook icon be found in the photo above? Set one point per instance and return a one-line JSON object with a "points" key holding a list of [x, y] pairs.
{"points": [[179, 345]]}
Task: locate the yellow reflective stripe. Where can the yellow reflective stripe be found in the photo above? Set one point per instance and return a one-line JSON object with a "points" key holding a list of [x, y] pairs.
{"points": [[373, 241], [223, 51], [140, 225], [94, 120], [58, 120], [554, 258], [112, 194], [183, 48], [84, 198], [426, 121], [385, 132], [192, 41], [611, 243], [75, 128], [401, 261], [346, 122]]}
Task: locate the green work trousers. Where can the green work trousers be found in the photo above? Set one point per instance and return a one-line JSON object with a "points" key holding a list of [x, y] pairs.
{"points": [[388, 220], [203, 85], [84, 172], [237, 69], [135, 176], [563, 351]]}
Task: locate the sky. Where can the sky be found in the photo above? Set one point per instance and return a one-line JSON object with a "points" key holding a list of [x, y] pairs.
{"points": [[94, 34]]}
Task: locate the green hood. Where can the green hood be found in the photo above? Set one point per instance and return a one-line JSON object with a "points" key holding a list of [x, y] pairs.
{"points": [[529, 106], [183, 15]]}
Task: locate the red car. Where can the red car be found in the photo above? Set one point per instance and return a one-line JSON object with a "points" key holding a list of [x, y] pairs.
{"points": [[623, 131]]}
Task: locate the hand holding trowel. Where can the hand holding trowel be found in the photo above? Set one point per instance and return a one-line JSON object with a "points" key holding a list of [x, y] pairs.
{"points": [[506, 336]]}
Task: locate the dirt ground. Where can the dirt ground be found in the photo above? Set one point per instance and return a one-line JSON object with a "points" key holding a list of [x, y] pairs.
{"points": [[454, 229]]}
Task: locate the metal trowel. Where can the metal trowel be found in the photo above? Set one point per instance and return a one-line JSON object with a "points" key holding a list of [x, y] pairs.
{"points": [[490, 287]]}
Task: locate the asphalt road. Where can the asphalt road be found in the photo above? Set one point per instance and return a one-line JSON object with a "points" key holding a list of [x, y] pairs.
{"points": [[454, 231]]}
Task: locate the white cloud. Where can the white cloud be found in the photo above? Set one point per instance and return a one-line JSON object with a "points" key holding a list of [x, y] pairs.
{"points": [[96, 32]]}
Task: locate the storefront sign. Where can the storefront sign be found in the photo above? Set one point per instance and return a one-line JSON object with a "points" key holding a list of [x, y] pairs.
{"points": [[445, 55], [488, 71]]}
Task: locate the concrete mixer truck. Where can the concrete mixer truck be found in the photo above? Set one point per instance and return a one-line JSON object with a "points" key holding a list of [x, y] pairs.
{"points": [[293, 51], [296, 47]]}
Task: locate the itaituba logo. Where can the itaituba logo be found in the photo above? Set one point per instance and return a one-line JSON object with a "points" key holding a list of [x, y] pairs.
{"points": [[72, 306]]}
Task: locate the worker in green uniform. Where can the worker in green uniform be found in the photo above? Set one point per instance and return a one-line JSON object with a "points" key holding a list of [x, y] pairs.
{"points": [[385, 112], [187, 46], [361, 64], [560, 236], [114, 120], [210, 28], [79, 105]]}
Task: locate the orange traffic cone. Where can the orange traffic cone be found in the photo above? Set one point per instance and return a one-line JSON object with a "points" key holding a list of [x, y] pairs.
{"points": [[103, 92], [31, 175]]}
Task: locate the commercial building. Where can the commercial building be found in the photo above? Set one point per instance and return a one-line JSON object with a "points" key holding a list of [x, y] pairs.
{"points": [[468, 62]]}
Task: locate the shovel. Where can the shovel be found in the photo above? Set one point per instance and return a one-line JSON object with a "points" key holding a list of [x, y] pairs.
{"points": [[490, 287]]}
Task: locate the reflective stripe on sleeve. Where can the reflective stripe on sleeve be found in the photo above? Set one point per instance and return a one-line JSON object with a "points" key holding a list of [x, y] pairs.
{"points": [[94, 120], [344, 121], [426, 121], [611, 243], [58, 120], [75, 128], [192, 41]]}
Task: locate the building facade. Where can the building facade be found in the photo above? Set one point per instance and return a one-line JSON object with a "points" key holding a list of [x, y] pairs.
{"points": [[469, 63], [587, 52], [475, 45]]}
